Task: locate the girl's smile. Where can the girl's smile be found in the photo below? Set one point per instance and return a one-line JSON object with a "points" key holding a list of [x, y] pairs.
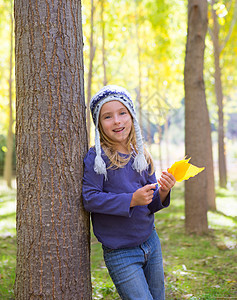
{"points": [[116, 123], [119, 129]]}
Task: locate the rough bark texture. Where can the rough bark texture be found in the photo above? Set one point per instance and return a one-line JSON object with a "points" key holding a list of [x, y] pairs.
{"points": [[219, 99], [53, 252], [196, 118]]}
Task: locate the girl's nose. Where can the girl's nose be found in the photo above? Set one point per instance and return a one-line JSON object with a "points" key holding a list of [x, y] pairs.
{"points": [[116, 119]]}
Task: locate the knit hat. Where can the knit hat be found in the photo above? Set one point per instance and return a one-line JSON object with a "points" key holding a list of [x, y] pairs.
{"points": [[106, 94]]}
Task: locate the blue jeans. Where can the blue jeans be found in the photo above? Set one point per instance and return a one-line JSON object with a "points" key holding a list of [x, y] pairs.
{"points": [[137, 272]]}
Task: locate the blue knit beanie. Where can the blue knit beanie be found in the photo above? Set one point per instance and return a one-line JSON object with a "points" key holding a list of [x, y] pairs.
{"points": [[111, 93]]}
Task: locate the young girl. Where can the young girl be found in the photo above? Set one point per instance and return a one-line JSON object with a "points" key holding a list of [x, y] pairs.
{"points": [[120, 190]]}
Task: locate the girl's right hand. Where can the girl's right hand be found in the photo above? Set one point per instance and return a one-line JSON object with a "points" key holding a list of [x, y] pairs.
{"points": [[143, 196]]}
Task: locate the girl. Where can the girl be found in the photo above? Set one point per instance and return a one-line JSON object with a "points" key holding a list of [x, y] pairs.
{"points": [[120, 190]]}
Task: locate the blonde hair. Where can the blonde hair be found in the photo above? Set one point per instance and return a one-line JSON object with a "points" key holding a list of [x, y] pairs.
{"points": [[118, 161]]}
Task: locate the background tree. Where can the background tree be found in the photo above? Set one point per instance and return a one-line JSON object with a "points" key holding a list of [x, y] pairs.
{"points": [[162, 34], [139, 85], [103, 42], [218, 46], [90, 71], [9, 152], [52, 226], [197, 124]]}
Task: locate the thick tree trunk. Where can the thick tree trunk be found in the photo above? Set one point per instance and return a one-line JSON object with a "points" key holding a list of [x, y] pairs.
{"points": [[219, 98], [8, 158], [196, 118], [53, 252]]}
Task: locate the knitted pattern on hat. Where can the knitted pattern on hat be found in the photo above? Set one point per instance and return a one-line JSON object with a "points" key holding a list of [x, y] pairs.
{"points": [[111, 93]]}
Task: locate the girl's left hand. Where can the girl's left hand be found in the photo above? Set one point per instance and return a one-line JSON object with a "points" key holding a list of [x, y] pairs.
{"points": [[166, 181]]}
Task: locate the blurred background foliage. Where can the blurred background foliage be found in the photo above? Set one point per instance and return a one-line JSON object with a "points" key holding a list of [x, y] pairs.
{"points": [[141, 45]]}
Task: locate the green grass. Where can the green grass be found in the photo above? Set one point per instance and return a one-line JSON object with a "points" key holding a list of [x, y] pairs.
{"points": [[199, 267], [7, 241], [196, 267]]}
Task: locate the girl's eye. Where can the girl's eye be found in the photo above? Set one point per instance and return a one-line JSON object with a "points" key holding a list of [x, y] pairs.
{"points": [[123, 113], [106, 117]]}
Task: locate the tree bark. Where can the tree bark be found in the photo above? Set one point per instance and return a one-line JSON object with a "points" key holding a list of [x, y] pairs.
{"points": [[53, 240], [8, 158], [196, 118], [219, 99]]}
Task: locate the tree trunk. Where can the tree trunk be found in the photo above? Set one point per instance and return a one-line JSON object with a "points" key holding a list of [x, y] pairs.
{"points": [[219, 98], [8, 158], [103, 43], [90, 73], [53, 240], [159, 146], [139, 71], [167, 141], [196, 118], [211, 195]]}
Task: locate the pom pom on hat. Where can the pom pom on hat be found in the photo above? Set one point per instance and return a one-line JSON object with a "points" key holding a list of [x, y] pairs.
{"points": [[106, 94]]}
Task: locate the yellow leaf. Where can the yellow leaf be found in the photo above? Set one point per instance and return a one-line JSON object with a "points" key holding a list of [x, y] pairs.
{"points": [[183, 170], [4, 148]]}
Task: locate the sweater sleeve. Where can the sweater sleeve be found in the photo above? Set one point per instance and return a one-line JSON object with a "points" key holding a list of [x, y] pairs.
{"points": [[95, 199], [156, 203]]}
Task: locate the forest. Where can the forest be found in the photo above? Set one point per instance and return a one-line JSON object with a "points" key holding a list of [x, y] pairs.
{"points": [[178, 59]]}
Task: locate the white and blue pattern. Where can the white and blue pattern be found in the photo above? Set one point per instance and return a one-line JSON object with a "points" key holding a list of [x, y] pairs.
{"points": [[111, 93], [114, 93]]}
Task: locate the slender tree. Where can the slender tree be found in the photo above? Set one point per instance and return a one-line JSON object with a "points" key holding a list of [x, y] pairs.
{"points": [[90, 73], [8, 158], [196, 118], [139, 86], [218, 46], [53, 252], [103, 43], [219, 98]]}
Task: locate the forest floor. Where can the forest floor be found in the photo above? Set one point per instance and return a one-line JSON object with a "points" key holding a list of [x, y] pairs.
{"points": [[196, 267]]}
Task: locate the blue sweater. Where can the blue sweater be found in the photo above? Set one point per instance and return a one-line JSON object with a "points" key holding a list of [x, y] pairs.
{"points": [[115, 224]]}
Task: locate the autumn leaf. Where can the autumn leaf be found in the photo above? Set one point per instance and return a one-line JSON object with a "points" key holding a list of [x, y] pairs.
{"points": [[183, 170]]}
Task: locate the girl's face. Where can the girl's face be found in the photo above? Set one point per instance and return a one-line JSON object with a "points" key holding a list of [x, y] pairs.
{"points": [[116, 122]]}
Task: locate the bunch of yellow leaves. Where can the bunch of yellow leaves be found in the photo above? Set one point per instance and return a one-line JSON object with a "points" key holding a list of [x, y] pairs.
{"points": [[183, 170]]}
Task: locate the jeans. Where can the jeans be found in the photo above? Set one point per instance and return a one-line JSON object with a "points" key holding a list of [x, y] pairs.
{"points": [[137, 272]]}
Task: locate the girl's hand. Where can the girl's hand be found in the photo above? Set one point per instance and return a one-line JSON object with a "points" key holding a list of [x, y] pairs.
{"points": [[143, 196], [166, 181]]}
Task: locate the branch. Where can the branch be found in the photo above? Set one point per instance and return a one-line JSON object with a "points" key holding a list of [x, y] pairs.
{"points": [[210, 32], [234, 18]]}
